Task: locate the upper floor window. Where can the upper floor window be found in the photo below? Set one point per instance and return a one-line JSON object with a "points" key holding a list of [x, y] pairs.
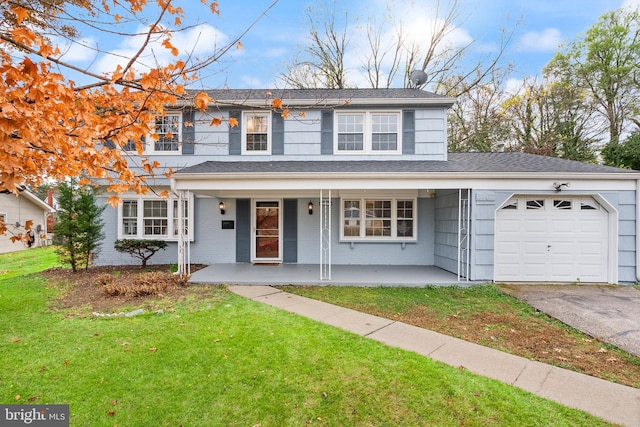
{"points": [[256, 133], [168, 129], [368, 132]]}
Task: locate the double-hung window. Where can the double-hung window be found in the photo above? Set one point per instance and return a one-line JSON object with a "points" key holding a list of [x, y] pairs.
{"points": [[378, 219], [256, 135], [153, 218], [368, 132], [168, 130]]}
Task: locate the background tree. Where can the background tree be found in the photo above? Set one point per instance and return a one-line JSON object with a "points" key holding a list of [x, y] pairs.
{"points": [[475, 121], [386, 53], [321, 64], [552, 119], [78, 231], [604, 63], [627, 152]]}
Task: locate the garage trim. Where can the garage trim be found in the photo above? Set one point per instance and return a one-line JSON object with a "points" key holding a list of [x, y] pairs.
{"points": [[612, 250]]}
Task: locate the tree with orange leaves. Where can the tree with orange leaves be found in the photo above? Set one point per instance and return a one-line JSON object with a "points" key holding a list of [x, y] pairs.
{"points": [[52, 128]]}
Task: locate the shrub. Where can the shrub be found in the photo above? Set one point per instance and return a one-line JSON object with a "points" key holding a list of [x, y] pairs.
{"points": [[142, 249]]}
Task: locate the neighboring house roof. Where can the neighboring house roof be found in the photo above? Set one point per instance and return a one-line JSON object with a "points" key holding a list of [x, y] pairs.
{"points": [[480, 163], [329, 97]]}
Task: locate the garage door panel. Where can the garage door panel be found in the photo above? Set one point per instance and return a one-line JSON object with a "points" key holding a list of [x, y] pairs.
{"points": [[509, 226], [562, 249], [562, 226], [552, 244], [534, 225], [591, 248]]}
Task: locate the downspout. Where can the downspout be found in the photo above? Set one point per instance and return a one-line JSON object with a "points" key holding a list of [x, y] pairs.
{"points": [[638, 230]]}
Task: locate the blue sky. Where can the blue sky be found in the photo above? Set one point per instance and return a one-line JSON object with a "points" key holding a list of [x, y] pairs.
{"points": [[541, 27]]}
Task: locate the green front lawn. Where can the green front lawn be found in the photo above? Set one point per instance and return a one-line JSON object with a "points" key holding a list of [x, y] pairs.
{"points": [[229, 361]]}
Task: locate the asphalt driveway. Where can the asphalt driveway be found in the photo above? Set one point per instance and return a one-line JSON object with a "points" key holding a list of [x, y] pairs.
{"points": [[609, 313]]}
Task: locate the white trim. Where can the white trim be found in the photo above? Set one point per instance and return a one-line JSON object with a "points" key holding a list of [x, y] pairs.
{"points": [[169, 237], [367, 132], [254, 203], [586, 184], [150, 143], [362, 237], [244, 122]]}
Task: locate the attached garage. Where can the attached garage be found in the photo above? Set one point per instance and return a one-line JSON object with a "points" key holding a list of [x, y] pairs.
{"points": [[555, 239]]}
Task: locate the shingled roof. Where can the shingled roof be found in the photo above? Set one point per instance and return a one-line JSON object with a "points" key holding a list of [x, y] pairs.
{"points": [[508, 162], [243, 97]]}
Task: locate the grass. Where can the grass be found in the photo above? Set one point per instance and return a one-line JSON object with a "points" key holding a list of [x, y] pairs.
{"points": [[486, 316], [230, 361]]}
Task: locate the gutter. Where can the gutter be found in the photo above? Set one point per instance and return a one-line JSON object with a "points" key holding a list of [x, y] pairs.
{"points": [[404, 175]]}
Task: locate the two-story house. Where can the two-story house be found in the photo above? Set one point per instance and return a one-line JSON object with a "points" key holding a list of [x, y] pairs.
{"points": [[363, 177]]}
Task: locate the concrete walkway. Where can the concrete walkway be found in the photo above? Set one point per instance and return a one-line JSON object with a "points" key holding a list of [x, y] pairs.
{"points": [[612, 402]]}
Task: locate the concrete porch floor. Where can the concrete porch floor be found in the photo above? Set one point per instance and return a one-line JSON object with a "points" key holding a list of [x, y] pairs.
{"points": [[341, 275]]}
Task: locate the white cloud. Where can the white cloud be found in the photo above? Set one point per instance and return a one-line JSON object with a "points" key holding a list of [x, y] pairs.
{"points": [[546, 40], [81, 50], [199, 41]]}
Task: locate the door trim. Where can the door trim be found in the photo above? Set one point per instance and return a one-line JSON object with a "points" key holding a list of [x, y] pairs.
{"points": [[254, 258]]}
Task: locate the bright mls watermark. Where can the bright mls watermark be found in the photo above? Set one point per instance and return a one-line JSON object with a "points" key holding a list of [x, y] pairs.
{"points": [[34, 415]]}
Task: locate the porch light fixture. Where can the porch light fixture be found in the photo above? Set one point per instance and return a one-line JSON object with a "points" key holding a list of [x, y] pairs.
{"points": [[310, 208], [222, 208]]}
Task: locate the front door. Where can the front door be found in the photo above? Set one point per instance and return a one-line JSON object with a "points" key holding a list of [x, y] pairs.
{"points": [[267, 237]]}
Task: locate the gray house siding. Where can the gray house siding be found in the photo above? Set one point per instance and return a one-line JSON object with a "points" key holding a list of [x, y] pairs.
{"points": [[625, 204], [446, 230], [420, 252], [486, 202]]}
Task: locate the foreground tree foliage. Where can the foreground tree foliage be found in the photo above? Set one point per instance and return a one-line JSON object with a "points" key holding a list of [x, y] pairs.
{"points": [[78, 231], [52, 128], [141, 249]]}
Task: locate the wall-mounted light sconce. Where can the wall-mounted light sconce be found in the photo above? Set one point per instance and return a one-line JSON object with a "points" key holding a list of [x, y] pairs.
{"points": [[310, 208], [558, 185], [222, 208]]}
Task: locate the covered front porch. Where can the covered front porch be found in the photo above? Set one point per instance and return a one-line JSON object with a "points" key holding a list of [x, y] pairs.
{"points": [[341, 275]]}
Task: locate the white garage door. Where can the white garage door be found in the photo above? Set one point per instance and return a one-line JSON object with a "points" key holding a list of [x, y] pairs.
{"points": [[551, 239]]}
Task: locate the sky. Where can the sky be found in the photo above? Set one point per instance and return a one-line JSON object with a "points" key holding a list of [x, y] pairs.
{"points": [[539, 28]]}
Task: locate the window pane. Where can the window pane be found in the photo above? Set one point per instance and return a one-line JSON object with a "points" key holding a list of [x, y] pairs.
{"points": [[351, 132], [563, 205], [378, 218], [404, 214], [168, 131], [185, 219], [351, 218], [384, 132], [257, 132], [384, 142], [155, 217], [535, 204], [130, 217]]}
